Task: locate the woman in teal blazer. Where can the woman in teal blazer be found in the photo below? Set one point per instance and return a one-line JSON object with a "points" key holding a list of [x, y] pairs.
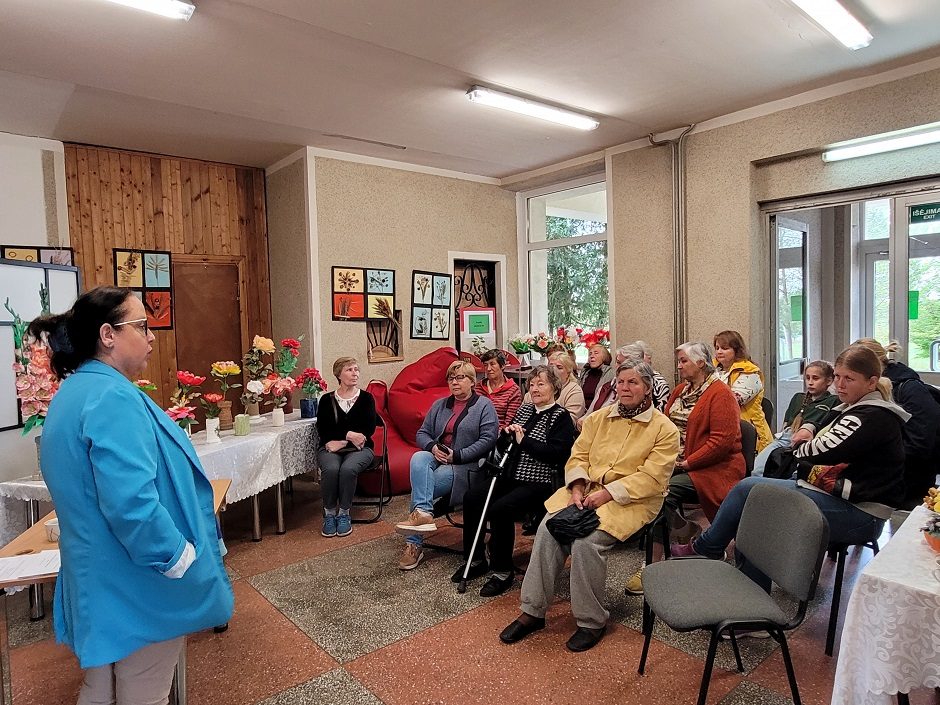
{"points": [[141, 566]]}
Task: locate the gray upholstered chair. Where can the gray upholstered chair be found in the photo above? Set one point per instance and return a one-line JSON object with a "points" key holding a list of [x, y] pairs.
{"points": [[784, 536]]}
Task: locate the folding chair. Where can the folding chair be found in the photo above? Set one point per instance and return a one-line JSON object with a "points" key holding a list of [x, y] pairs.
{"points": [[380, 465]]}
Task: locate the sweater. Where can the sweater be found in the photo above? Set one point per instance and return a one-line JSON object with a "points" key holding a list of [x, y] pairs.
{"points": [[922, 431], [546, 444], [713, 444], [506, 399], [859, 455], [632, 458], [815, 411], [601, 374], [333, 423]]}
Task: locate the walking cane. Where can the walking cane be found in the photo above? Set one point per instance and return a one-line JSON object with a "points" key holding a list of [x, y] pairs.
{"points": [[462, 585]]}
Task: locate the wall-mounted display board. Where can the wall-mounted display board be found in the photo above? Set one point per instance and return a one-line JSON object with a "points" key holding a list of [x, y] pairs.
{"points": [[477, 321], [150, 274], [20, 284], [431, 315], [31, 253]]}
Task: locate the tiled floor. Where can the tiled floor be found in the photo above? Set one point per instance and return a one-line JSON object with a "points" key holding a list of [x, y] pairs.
{"points": [[334, 621]]}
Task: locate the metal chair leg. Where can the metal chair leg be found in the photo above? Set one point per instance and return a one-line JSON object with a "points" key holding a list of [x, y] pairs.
{"points": [[836, 599], [709, 665], [279, 507], [737, 652], [37, 609], [648, 619], [791, 676]]}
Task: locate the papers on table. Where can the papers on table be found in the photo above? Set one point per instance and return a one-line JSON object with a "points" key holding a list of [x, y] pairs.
{"points": [[29, 565]]}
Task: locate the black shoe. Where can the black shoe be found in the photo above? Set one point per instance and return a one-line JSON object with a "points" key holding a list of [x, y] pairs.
{"points": [[496, 586], [477, 570], [519, 630], [585, 638]]}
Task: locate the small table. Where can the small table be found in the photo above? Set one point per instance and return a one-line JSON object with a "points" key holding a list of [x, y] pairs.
{"points": [[519, 374], [34, 540], [891, 638]]}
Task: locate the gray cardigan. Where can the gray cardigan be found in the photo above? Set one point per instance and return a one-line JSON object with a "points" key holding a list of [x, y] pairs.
{"points": [[475, 435]]}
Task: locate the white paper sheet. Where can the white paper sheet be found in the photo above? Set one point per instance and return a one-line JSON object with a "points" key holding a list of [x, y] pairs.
{"points": [[29, 565]]}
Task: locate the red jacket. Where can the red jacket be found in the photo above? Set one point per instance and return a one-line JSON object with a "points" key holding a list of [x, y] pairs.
{"points": [[506, 400], [713, 444]]}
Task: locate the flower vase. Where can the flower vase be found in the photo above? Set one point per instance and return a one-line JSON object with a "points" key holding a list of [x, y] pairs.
{"points": [[524, 363], [308, 408], [38, 474], [277, 416], [188, 428], [253, 408], [212, 431], [226, 422]]}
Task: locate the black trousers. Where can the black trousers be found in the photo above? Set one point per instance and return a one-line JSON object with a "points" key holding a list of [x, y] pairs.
{"points": [[511, 501]]}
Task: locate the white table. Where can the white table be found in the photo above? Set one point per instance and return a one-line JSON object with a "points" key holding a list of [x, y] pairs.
{"points": [[891, 637]]}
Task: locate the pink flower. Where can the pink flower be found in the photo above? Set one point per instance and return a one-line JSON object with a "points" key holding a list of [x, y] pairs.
{"points": [[181, 412]]}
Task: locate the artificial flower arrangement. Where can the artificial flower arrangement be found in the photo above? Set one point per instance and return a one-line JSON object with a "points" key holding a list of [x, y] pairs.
{"points": [[36, 383], [568, 337], [222, 370], [311, 383], [257, 368], [279, 388], [522, 343], [285, 360], [210, 403], [542, 342], [599, 336], [932, 528], [145, 385], [932, 500], [187, 391]]}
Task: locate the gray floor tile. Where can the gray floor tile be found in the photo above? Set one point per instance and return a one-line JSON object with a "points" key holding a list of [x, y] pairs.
{"points": [[355, 601], [747, 693], [21, 630], [335, 687]]}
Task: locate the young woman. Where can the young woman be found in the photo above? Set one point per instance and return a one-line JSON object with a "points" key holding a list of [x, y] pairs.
{"points": [[808, 407], [734, 367], [853, 467]]}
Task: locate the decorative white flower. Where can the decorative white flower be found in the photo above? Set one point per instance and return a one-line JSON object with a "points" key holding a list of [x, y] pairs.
{"points": [[255, 386]]}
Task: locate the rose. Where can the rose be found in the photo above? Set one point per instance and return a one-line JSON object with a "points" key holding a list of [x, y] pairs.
{"points": [[265, 345], [225, 368], [290, 343], [189, 379], [255, 386]]}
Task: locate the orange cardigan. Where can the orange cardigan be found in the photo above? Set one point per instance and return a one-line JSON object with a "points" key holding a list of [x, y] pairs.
{"points": [[713, 444]]}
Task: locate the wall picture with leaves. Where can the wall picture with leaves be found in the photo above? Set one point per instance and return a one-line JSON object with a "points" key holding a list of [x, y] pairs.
{"points": [[149, 274], [349, 298], [431, 314]]}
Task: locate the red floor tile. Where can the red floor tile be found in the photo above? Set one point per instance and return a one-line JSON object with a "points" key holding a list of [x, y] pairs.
{"points": [[44, 673]]}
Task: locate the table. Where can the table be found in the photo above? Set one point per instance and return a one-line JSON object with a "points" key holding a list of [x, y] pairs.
{"points": [[34, 540], [891, 636], [519, 374]]}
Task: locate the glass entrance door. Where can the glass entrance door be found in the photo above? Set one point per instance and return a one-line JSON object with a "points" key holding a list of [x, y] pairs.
{"points": [[792, 331]]}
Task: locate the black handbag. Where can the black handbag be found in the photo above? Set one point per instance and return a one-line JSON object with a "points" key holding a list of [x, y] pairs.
{"points": [[782, 464], [572, 523]]}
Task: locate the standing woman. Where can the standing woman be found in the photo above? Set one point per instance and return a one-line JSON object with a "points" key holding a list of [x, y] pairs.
{"points": [[345, 424], [140, 555], [746, 381]]}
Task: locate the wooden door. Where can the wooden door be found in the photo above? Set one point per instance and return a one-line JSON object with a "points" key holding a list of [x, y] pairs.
{"points": [[208, 320]]}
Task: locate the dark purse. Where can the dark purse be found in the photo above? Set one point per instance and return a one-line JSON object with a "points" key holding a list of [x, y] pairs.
{"points": [[572, 523], [782, 465]]}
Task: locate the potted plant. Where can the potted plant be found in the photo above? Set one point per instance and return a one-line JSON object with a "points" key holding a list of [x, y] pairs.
{"points": [[280, 389], [210, 403], [256, 368], [312, 385], [222, 370], [932, 532]]}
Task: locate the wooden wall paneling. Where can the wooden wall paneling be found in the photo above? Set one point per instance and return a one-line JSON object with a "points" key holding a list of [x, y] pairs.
{"points": [[85, 241], [137, 199], [146, 192], [102, 253], [71, 190], [104, 198], [186, 205], [164, 193], [234, 232], [157, 203], [199, 224], [259, 244], [173, 190], [117, 200], [218, 208], [127, 202]]}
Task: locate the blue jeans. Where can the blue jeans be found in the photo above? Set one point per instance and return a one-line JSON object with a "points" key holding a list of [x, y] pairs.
{"points": [[847, 523], [429, 480], [782, 442]]}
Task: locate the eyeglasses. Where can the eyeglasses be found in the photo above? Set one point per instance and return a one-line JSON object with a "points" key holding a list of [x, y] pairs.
{"points": [[144, 329], [457, 378]]}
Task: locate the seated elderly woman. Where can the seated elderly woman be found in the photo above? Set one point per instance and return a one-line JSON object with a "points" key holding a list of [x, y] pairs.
{"points": [[502, 392], [642, 350], [735, 369], [596, 372], [710, 459], [620, 466], [544, 433], [458, 431], [570, 397]]}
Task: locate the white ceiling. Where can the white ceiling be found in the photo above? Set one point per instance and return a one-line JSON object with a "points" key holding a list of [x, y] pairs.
{"points": [[250, 81]]}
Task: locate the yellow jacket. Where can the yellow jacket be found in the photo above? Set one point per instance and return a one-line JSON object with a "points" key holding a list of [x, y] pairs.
{"points": [[752, 411], [632, 458]]}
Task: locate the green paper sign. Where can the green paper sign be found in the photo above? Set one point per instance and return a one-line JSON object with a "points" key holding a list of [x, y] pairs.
{"points": [[913, 305], [478, 323], [925, 213], [796, 308]]}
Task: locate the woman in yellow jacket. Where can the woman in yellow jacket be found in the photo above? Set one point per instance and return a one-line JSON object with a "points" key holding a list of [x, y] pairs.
{"points": [[734, 367], [620, 465]]}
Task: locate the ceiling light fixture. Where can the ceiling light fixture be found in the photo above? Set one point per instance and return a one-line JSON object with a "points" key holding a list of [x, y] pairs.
{"points": [[506, 101], [887, 142], [839, 22], [174, 9]]}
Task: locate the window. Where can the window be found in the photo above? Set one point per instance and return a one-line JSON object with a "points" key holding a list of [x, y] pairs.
{"points": [[564, 252]]}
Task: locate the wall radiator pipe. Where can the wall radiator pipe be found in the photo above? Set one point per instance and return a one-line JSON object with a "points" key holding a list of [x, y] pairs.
{"points": [[680, 281]]}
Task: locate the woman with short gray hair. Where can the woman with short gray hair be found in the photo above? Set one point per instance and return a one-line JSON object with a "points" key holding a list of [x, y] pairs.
{"points": [[641, 350]]}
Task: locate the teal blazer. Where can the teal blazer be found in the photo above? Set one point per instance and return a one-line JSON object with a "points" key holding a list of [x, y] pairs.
{"points": [[129, 492]]}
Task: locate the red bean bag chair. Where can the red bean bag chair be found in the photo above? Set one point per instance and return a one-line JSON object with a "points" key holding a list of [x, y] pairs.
{"points": [[403, 406]]}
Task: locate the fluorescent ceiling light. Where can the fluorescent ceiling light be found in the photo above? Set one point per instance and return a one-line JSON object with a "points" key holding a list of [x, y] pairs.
{"points": [[174, 9], [888, 142], [506, 101], [835, 19]]}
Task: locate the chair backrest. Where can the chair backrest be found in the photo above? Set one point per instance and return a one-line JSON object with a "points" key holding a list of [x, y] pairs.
{"points": [[472, 359], [784, 535], [511, 359], [767, 407], [748, 446]]}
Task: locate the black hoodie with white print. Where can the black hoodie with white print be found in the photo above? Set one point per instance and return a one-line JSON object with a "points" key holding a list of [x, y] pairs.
{"points": [[858, 455]]}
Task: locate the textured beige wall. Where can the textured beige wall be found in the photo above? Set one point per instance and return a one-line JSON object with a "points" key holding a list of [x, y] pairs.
{"points": [[289, 255], [727, 177], [370, 216]]}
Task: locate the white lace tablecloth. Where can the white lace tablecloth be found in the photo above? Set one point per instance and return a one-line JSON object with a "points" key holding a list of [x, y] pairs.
{"points": [[891, 637], [265, 457]]}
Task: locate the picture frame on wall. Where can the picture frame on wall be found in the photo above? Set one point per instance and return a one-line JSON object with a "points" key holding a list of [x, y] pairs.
{"points": [[149, 274], [380, 294], [348, 293], [421, 322], [422, 288], [431, 314], [384, 340], [62, 256]]}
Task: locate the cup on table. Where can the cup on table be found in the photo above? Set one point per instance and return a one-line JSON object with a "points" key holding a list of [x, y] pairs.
{"points": [[52, 530]]}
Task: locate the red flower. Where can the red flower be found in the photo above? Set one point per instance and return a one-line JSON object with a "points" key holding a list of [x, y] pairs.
{"points": [[290, 343], [213, 398], [295, 352], [189, 379]]}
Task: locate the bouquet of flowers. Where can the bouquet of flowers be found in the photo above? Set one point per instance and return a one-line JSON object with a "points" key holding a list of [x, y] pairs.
{"points": [[567, 337], [279, 388], [36, 383], [256, 368], [286, 358], [311, 383], [542, 342], [932, 532], [182, 415], [599, 336], [522, 342], [222, 371], [210, 402]]}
